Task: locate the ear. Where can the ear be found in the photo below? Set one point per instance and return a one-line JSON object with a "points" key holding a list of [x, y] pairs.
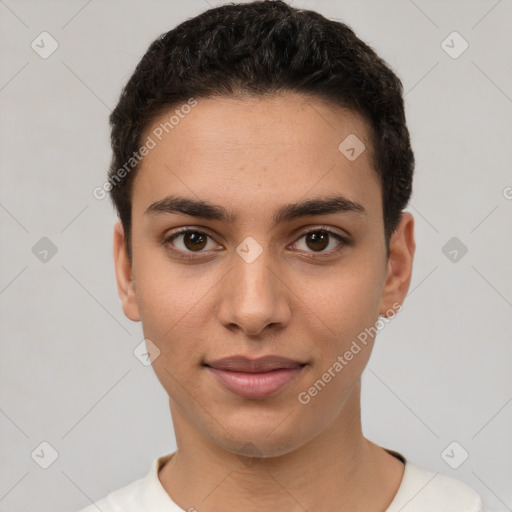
{"points": [[399, 270], [124, 278]]}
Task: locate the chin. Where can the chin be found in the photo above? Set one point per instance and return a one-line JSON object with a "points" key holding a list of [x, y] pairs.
{"points": [[257, 439], [263, 447]]}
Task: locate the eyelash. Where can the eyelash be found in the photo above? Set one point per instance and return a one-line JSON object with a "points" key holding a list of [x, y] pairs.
{"points": [[344, 241]]}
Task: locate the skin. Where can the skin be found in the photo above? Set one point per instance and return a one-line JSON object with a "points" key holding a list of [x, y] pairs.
{"points": [[252, 156]]}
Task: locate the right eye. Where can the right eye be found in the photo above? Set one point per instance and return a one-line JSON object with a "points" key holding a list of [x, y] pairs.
{"points": [[192, 241]]}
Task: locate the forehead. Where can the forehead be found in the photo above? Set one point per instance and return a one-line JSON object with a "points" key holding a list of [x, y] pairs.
{"points": [[257, 148]]}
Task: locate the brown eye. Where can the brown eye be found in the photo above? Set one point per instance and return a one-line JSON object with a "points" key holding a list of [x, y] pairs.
{"points": [[194, 240], [188, 241], [317, 240], [191, 243]]}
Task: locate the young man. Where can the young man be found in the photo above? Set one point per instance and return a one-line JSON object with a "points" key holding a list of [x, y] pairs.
{"points": [[261, 167]]}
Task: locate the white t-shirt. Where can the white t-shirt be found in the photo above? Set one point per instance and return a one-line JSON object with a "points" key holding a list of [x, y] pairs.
{"points": [[421, 490]]}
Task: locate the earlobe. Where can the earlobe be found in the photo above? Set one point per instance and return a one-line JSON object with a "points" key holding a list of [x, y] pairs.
{"points": [[124, 275], [399, 269]]}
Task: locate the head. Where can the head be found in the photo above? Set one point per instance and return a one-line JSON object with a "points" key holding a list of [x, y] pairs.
{"points": [[278, 139]]}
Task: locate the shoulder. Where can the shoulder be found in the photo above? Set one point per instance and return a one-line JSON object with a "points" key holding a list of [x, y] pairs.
{"points": [[144, 494], [423, 490], [446, 493], [124, 499]]}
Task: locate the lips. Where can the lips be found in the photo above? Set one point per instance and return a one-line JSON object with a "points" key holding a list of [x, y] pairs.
{"points": [[255, 378], [260, 365]]}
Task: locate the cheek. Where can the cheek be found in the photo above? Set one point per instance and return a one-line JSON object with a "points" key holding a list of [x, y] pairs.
{"points": [[340, 324], [164, 292], [345, 303], [168, 305]]}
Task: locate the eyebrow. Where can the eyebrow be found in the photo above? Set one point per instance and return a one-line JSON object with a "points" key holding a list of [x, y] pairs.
{"points": [[285, 213]]}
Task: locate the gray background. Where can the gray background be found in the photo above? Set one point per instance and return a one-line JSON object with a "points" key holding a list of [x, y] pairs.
{"points": [[440, 371]]}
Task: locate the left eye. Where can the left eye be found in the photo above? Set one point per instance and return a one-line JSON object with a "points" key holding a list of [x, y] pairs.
{"points": [[320, 239]]}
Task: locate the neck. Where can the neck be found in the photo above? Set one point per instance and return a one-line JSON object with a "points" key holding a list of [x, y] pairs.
{"points": [[337, 470]]}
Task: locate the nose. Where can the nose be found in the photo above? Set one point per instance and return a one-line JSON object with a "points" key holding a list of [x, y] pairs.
{"points": [[254, 296]]}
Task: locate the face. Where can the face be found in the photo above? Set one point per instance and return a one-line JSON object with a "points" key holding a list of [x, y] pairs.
{"points": [[253, 275]]}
